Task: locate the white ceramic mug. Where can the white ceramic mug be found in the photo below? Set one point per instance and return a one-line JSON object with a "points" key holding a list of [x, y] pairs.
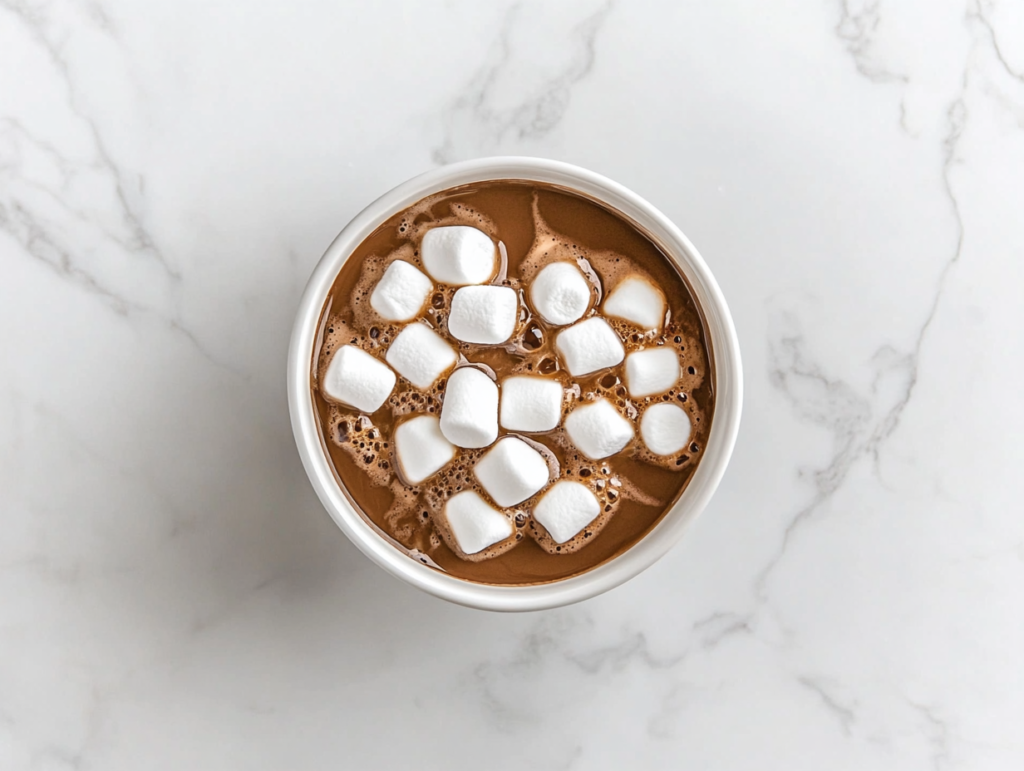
{"points": [[728, 387]]}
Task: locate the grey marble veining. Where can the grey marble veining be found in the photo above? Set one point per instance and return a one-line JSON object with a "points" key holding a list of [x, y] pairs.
{"points": [[173, 595]]}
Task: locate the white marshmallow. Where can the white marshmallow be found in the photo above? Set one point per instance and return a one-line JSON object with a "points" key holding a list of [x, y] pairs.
{"points": [[652, 371], [565, 509], [420, 355], [483, 314], [560, 293], [598, 430], [512, 471], [421, 448], [665, 428], [459, 255], [357, 379], [530, 403], [401, 292], [637, 301], [469, 414], [474, 523], [589, 346]]}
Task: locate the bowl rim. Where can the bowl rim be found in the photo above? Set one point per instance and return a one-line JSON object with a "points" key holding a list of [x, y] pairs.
{"points": [[727, 369]]}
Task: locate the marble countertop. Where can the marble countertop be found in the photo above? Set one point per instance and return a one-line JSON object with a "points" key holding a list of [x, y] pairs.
{"points": [[172, 595]]}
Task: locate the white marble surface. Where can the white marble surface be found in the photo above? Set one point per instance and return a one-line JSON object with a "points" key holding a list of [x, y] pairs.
{"points": [[172, 595]]}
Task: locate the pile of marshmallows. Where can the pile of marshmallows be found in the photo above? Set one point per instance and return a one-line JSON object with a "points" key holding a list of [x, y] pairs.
{"points": [[512, 470]]}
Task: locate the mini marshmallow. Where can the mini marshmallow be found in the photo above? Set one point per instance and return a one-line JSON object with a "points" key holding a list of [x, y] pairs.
{"points": [[565, 509], [357, 379], [560, 293], [421, 448], [474, 523], [469, 414], [589, 346], [652, 371], [483, 314], [458, 255], [598, 430], [401, 292], [512, 471], [530, 403], [420, 355], [637, 301], [665, 428]]}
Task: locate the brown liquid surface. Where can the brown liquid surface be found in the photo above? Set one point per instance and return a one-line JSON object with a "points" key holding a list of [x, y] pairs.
{"points": [[537, 224]]}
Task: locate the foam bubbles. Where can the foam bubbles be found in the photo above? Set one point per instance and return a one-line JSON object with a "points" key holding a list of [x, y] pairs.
{"points": [[414, 515]]}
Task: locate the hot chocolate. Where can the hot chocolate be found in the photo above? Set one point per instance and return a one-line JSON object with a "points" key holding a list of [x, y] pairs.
{"points": [[512, 382]]}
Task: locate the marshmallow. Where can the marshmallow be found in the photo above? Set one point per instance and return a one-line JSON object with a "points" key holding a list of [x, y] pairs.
{"points": [[598, 430], [420, 355], [357, 379], [421, 448], [401, 292], [474, 523], [512, 471], [665, 428], [652, 371], [469, 415], [483, 314], [565, 509], [560, 293], [637, 301], [458, 255], [589, 346], [530, 403]]}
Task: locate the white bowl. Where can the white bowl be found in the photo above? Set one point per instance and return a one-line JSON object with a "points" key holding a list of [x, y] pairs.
{"points": [[728, 387]]}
